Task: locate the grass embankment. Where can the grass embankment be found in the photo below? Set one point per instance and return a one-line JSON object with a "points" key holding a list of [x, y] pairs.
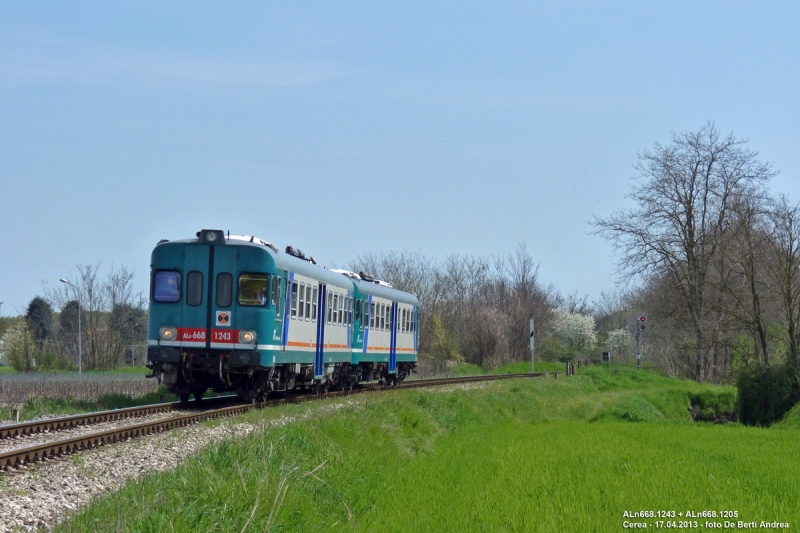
{"points": [[517, 455], [467, 369]]}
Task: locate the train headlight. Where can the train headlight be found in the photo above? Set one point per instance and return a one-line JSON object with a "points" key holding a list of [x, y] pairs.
{"points": [[168, 334], [247, 337]]}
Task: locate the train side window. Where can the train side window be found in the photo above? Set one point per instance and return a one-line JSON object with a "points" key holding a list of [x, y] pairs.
{"points": [[293, 298], [403, 321], [382, 324], [308, 302], [414, 321], [301, 311], [372, 315], [276, 294], [346, 320], [253, 289], [194, 288], [388, 312], [330, 303], [167, 286], [342, 317], [224, 289], [314, 305]]}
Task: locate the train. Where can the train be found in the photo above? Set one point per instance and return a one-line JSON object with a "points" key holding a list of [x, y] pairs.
{"points": [[230, 313]]}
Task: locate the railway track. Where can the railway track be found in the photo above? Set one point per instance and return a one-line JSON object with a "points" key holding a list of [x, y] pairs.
{"points": [[21, 457], [25, 429]]}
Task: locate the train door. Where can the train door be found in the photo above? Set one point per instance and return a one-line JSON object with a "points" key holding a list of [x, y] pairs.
{"points": [[222, 287], [393, 339], [193, 330], [319, 354]]}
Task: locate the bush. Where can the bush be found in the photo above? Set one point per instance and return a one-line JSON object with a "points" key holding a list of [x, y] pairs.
{"points": [[766, 394], [20, 347]]}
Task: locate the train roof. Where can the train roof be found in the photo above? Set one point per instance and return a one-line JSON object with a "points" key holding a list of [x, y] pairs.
{"points": [[382, 291], [337, 278]]}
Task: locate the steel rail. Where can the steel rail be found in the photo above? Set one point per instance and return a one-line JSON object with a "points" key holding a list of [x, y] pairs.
{"points": [[24, 429], [56, 449]]}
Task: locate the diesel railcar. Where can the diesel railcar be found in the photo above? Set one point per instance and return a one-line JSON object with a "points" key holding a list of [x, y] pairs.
{"points": [[232, 313]]}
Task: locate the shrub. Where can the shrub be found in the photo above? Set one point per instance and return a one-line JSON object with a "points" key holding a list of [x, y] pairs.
{"points": [[766, 394]]}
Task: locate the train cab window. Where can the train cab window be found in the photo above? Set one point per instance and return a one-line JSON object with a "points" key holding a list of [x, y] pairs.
{"points": [[167, 286], [253, 289], [301, 310], [224, 289], [314, 305], [293, 299], [330, 303]]}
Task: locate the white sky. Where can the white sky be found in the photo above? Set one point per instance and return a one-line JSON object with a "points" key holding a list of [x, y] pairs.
{"points": [[341, 128]]}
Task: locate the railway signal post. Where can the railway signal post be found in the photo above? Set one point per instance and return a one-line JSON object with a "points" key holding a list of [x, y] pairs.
{"points": [[639, 333], [532, 345]]}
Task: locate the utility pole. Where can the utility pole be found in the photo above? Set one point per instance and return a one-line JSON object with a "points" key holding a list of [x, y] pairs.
{"points": [[532, 345]]}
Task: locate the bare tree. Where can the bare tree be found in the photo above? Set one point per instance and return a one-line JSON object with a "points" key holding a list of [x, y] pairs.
{"points": [[683, 198], [784, 270], [109, 313]]}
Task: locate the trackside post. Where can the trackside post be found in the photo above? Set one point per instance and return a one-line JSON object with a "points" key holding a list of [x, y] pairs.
{"points": [[532, 345]]}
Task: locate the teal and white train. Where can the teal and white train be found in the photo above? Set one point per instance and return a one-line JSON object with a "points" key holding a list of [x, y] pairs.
{"points": [[232, 313]]}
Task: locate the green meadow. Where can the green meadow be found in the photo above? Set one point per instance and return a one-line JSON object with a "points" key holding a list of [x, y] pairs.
{"points": [[541, 454]]}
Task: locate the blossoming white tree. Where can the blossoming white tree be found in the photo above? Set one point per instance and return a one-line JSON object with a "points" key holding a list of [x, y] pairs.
{"points": [[575, 330], [618, 339]]}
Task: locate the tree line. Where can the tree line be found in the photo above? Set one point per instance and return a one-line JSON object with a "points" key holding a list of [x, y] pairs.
{"points": [[476, 309], [113, 322], [715, 261]]}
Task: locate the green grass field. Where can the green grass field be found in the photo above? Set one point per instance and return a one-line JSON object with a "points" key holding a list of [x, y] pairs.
{"points": [[570, 454]]}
